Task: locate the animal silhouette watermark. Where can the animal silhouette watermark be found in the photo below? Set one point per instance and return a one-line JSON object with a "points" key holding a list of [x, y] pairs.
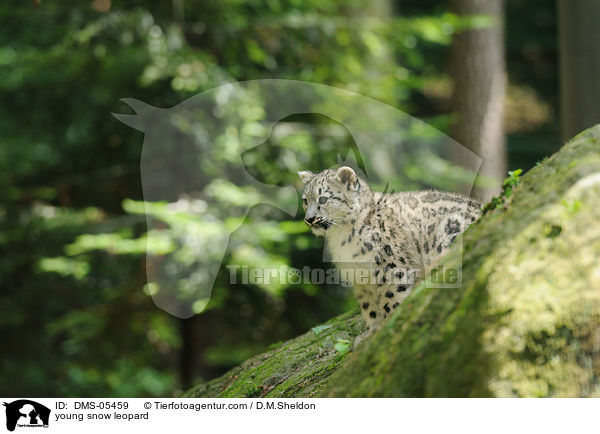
{"points": [[25, 413], [184, 147]]}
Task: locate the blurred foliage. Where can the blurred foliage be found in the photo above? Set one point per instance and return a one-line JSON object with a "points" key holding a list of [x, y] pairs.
{"points": [[76, 317]]}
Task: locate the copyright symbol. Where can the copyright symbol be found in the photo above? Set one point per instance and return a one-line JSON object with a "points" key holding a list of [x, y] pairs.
{"points": [[147, 405]]}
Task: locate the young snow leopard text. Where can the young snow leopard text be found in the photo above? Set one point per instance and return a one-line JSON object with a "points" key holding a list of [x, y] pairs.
{"points": [[391, 238]]}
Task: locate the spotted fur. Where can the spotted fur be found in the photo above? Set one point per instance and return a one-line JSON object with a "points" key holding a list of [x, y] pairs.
{"points": [[392, 238]]}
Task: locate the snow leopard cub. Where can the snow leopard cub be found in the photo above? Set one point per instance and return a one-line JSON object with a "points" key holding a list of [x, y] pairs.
{"points": [[380, 242]]}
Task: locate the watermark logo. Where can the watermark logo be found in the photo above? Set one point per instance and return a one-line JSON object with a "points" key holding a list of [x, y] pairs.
{"points": [[196, 182], [346, 275], [25, 413]]}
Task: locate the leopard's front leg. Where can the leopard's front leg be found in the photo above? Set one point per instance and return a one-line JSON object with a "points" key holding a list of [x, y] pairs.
{"points": [[368, 303]]}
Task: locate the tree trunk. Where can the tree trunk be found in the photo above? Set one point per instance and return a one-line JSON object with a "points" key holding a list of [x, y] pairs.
{"points": [[197, 334], [479, 74], [186, 354], [579, 33]]}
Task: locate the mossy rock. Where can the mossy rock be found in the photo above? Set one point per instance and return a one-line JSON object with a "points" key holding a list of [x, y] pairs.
{"points": [[525, 321], [297, 368]]}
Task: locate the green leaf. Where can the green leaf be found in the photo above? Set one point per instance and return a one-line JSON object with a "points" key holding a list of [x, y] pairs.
{"points": [[342, 346], [320, 328]]}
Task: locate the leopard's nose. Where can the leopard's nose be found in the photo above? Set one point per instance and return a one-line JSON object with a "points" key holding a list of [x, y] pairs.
{"points": [[309, 220]]}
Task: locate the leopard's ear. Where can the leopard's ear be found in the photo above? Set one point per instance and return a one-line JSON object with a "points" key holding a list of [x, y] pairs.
{"points": [[347, 176], [306, 176]]}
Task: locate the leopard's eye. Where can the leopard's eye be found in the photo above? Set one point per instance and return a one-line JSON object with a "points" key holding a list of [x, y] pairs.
{"points": [[323, 199]]}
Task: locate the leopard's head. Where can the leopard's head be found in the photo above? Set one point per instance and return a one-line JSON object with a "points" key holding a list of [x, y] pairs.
{"points": [[332, 199]]}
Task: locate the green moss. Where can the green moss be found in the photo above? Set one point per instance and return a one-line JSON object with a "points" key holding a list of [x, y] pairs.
{"points": [[295, 368], [508, 187], [524, 322]]}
